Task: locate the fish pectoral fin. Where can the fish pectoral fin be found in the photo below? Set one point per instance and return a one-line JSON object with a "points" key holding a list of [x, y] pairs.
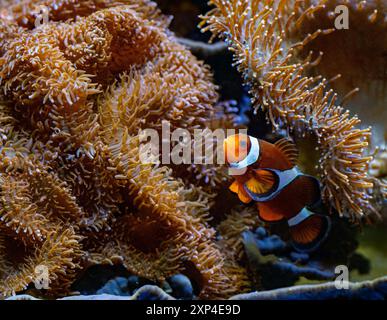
{"points": [[237, 188], [254, 186], [268, 214], [289, 150], [261, 183]]}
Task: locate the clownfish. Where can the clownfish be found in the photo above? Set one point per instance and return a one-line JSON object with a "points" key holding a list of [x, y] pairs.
{"points": [[267, 174]]}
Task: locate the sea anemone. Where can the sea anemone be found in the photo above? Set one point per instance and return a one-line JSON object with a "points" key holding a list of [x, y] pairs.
{"points": [[260, 34], [75, 91], [357, 54]]}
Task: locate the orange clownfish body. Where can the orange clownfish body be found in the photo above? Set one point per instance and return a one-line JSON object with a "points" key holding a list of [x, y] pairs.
{"points": [[267, 173]]}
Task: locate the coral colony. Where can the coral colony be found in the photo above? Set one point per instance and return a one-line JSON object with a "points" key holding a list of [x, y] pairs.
{"points": [[111, 149]]}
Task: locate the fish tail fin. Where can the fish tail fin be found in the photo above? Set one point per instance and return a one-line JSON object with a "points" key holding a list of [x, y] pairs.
{"points": [[308, 235]]}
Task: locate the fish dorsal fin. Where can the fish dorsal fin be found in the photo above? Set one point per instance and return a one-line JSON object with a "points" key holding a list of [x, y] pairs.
{"points": [[288, 149]]}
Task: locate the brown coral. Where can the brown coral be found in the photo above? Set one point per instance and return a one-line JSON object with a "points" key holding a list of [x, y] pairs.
{"points": [[259, 34], [73, 189]]}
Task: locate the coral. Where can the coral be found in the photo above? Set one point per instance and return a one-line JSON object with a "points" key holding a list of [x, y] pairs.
{"points": [[232, 227], [259, 33], [275, 265], [26, 12], [116, 286], [181, 287], [367, 290], [60, 253], [74, 192], [146, 292]]}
